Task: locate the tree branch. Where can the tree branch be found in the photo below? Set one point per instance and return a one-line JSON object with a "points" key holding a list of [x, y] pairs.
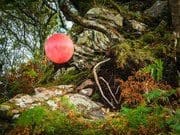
{"points": [[98, 84], [109, 88], [109, 31]]}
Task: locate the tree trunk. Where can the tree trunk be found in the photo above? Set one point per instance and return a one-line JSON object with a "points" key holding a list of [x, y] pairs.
{"points": [[175, 13]]}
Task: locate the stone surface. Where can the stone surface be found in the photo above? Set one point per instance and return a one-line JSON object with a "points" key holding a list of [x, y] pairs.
{"points": [[51, 97], [157, 9], [87, 92], [84, 104], [89, 42], [52, 104], [85, 84], [4, 107], [42, 96], [105, 14], [138, 25]]}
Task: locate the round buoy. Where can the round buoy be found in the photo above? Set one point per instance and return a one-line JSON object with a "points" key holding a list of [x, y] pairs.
{"points": [[59, 48]]}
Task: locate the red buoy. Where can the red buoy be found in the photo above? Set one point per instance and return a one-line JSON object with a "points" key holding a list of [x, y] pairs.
{"points": [[59, 48]]}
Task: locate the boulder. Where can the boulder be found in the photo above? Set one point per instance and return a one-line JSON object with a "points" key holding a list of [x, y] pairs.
{"points": [[85, 105], [157, 9], [51, 97], [87, 92], [91, 42], [141, 27]]}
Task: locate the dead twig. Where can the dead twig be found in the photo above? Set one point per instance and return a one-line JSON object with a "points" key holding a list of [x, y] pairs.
{"points": [[97, 81], [117, 90], [107, 84]]}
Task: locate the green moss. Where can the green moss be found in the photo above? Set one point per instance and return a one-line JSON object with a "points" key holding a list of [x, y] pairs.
{"points": [[132, 52], [66, 103], [154, 120], [136, 117], [71, 77]]}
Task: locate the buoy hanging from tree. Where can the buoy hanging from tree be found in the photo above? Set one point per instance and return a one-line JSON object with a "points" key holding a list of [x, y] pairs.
{"points": [[59, 48]]}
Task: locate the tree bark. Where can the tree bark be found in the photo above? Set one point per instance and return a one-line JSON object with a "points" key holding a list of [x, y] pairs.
{"points": [[175, 14]]}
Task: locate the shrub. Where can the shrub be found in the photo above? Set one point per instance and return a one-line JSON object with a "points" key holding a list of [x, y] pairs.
{"points": [[133, 90]]}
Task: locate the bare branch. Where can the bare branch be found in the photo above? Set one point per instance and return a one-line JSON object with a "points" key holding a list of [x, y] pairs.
{"points": [[107, 84], [97, 81]]}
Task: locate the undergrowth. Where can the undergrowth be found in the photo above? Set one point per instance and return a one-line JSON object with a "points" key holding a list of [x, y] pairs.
{"points": [[143, 120], [134, 88]]}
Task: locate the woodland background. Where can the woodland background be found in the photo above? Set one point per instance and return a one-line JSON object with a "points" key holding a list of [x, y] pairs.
{"points": [[128, 48]]}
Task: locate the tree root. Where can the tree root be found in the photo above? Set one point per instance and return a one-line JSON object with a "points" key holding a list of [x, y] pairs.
{"points": [[98, 84]]}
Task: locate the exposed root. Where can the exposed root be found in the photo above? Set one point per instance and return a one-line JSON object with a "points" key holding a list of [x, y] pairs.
{"points": [[97, 81], [110, 91]]}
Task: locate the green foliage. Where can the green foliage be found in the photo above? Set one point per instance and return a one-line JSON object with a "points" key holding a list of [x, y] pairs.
{"points": [[32, 117], [137, 116], [47, 74], [96, 96], [174, 122], [40, 119], [155, 69], [140, 120], [148, 38], [66, 103], [59, 123], [159, 95], [32, 73], [130, 52], [93, 132], [72, 76]]}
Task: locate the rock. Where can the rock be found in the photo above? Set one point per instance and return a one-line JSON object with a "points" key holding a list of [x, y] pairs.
{"points": [[89, 42], [42, 96], [108, 15], [87, 91], [157, 9], [4, 107], [51, 97], [22, 100], [138, 25], [52, 104], [85, 105], [85, 84]]}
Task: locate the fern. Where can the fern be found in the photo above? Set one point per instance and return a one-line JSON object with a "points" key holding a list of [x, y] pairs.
{"points": [[155, 69], [158, 94], [174, 122]]}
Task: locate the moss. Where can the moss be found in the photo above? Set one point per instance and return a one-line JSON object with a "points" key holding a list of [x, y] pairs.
{"points": [[66, 104], [132, 52], [71, 77]]}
